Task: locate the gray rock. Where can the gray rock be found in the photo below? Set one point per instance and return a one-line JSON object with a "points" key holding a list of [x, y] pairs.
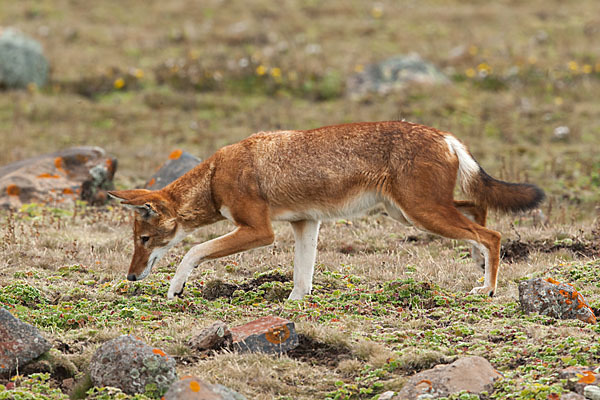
{"points": [[393, 74], [555, 299], [265, 335], [178, 163], [473, 374], [213, 337], [571, 396], [84, 173], [20, 343], [22, 60], [130, 365], [194, 388], [591, 392], [386, 395]]}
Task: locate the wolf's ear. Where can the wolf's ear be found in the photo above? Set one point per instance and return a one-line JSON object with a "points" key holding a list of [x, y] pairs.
{"points": [[136, 200], [126, 195], [145, 210]]}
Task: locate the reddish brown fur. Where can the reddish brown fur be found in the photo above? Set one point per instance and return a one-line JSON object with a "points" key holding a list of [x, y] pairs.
{"points": [[325, 173]]}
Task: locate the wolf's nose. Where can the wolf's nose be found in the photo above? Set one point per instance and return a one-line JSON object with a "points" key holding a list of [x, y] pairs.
{"points": [[131, 277]]}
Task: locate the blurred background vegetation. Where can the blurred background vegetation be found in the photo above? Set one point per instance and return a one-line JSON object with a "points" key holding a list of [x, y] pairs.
{"points": [[141, 78]]}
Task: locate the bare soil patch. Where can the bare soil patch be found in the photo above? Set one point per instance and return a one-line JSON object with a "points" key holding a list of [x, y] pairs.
{"points": [[217, 288], [312, 351], [517, 250]]}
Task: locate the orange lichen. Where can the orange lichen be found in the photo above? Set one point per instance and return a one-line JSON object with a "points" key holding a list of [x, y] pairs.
{"points": [[588, 377], [194, 386], [175, 154], [13, 190], [152, 182], [68, 191], [47, 175], [159, 352], [59, 163], [554, 281], [278, 335], [425, 382]]}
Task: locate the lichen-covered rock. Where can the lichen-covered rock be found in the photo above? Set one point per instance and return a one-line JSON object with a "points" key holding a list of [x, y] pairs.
{"points": [[20, 343], [132, 366], [555, 299], [267, 334], [194, 388], [84, 173], [393, 74], [579, 377], [22, 61], [178, 163], [472, 374]]}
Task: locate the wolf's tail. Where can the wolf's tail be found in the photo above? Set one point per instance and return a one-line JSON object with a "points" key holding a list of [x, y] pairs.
{"points": [[491, 192]]}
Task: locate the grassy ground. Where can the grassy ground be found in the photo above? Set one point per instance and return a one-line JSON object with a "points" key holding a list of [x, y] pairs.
{"points": [[389, 300]]}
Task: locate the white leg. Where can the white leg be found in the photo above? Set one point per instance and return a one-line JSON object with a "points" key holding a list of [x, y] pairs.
{"points": [[305, 234], [476, 254], [241, 239], [190, 261], [485, 254]]}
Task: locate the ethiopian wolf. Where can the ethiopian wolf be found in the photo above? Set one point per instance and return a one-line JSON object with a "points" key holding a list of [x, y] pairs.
{"points": [[305, 177]]}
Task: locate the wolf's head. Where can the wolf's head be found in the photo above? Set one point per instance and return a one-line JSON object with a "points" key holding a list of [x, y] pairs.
{"points": [[155, 228]]}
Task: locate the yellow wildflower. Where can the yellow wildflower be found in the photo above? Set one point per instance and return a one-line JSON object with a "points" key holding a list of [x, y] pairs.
{"points": [[470, 73], [261, 70], [587, 69], [377, 11], [359, 68], [138, 73], [119, 83], [573, 66], [484, 67], [276, 72]]}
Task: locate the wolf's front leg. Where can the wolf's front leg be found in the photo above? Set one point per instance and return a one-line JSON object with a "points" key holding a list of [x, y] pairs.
{"points": [[305, 252], [242, 239]]}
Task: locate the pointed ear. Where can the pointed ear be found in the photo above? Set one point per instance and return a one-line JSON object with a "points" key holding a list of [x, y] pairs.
{"points": [[136, 200], [125, 195], [145, 210]]}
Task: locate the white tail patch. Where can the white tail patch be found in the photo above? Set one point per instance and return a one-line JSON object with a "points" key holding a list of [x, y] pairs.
{"points": [[467, 166]]}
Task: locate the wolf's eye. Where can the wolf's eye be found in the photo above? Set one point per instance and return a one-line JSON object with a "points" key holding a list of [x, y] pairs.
{"points": [[145, 239]]}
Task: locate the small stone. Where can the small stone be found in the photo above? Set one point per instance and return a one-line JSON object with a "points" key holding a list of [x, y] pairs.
{"points": [[591, 392], [194, 388], [144, 366], [472, 374], [386, 395], [393, 74], [266, 335], [214, 337], [20, 343], [561, 132], [555, 299], [571, 396], [178, 163]]}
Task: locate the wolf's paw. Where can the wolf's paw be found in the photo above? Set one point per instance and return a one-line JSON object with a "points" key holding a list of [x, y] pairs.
{"points": [[297, 294], [175, 290], [487, 290]]}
